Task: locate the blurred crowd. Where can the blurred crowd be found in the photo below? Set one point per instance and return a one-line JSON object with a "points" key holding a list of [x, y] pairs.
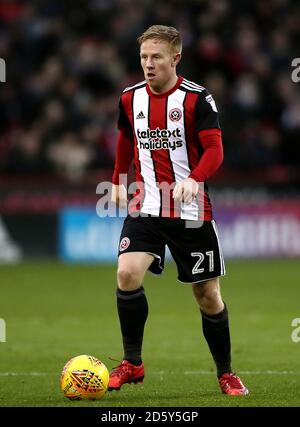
{"points": [[68, 61]]}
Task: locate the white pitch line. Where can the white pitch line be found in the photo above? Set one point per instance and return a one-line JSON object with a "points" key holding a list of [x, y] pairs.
{"points": [[21, 374], [41, 374]]}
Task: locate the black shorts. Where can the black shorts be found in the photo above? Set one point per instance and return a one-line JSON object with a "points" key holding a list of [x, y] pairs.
{"points": [[196, 251]]}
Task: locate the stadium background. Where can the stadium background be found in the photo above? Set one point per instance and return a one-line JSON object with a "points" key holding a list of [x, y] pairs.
{"points": [[66, 65]]}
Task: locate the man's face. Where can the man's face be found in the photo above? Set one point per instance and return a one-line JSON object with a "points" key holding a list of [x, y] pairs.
{"points": [[158, 63]]}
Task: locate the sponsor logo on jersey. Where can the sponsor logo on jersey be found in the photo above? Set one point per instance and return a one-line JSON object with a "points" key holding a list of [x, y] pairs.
{"points": [[125, 242], [159, 139], [175, 115]]}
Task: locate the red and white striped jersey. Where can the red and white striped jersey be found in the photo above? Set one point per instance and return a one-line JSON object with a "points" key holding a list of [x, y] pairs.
{"points": [[165, 132]]}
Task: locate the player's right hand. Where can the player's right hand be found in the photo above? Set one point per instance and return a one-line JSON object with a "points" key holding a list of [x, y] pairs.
{"points": [[185, 191], [119, 195]]}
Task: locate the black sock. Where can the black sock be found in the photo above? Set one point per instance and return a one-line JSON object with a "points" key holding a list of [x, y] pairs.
{"points": [[133, 312], [216, 332]]}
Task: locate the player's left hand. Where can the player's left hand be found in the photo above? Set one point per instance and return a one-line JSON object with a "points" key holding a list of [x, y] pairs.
{"points": [[185, 191]]}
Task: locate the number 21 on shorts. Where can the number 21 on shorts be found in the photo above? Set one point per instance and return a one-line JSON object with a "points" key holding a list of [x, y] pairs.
{"points": [[201, 257]]}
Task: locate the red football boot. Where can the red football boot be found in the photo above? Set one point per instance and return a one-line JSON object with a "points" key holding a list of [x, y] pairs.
{"points": [[231, 384], [125, 373]]}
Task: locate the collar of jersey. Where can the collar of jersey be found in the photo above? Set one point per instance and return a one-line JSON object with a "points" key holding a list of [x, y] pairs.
{"points": [[163, 95]]}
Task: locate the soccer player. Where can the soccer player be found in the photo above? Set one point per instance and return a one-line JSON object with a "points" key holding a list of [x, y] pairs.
{"points": [[169, 126]]}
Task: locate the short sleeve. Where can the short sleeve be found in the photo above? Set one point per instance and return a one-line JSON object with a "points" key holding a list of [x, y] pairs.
{"points": [[206, 113]]}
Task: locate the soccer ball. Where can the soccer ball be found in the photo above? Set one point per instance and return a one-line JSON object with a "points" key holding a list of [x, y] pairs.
{"points": [[84, 377]]}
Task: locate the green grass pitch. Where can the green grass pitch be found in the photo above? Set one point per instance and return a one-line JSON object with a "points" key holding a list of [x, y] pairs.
{"points": [[54, 312]]}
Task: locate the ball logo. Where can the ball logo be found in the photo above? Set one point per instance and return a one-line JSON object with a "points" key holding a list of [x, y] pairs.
{"points": [[175, 115], [125, 242]]}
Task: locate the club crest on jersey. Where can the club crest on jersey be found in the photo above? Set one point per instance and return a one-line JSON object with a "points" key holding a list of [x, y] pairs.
{"points": [[125, 242], [175, 115]]}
